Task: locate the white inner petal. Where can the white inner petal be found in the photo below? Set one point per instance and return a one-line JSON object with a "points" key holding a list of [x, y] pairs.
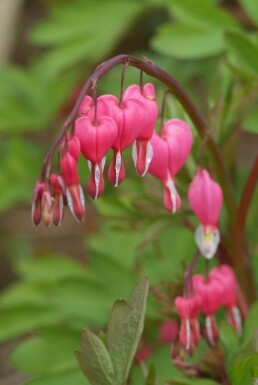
{"points": [[134, 153], [89, 165], [238, 320], [97, 179], [188, 334], [149, 155], [103, 162], [207, 242], [173, 193], [208, 326], [118, 166]]}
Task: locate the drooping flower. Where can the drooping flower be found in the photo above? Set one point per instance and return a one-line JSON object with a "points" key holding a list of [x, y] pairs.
{"points": [[170, 151], [130, 116], [189, 309], [96, 138], [36, 210], [142, 148], [210, 291], [58, 184], [46, 207], [74, 191], [226, 276], [205, 198]]}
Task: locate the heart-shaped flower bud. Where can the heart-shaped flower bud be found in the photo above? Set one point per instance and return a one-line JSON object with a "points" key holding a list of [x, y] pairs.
{"points": [[189, 309], [226, 276], [46, 207], [211, 292], [58, 184], [36, 211], [170, 151], [74, 191], [205, 198], [142, 149], [130, 120], [71, 144], [178, 136], [85, 105], [95, 141]]}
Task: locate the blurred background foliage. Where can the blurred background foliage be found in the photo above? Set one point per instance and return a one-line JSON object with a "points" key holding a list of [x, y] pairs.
{"points": [[211, 47]]}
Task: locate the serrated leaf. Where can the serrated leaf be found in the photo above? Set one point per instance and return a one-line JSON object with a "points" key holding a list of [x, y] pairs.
{"points": [[125, 327], [94, 360], [202, 13], [243, 51], [188, 42]]}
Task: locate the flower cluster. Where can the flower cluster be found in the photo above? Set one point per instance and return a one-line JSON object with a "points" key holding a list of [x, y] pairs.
{"points": [[106, 123], [208, 294]]}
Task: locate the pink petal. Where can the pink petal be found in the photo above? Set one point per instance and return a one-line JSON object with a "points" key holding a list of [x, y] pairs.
{"points": [[179, 139], [95, 140], [159, 164], [86, 105], [205, 198], [69, 169]]}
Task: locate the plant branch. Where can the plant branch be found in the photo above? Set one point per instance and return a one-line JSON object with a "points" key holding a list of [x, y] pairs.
{"points": [[240, 258], [176, 89]]}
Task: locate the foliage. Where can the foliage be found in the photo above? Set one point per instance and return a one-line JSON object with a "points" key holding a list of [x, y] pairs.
{"points": [[214, 53]]}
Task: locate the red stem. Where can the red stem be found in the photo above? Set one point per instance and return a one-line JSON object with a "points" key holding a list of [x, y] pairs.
{"points": [[176, 89], [241, 260]]}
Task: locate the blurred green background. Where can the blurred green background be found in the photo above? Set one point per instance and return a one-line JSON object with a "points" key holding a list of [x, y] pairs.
{"points": [[47, 50]]}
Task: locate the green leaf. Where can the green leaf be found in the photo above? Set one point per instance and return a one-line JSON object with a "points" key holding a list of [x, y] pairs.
{"points": [[83, 31], [201, 13], [95, 360], [25, 318], [250, 323], [243, 51], [251, 7], [125, 327], [230, 343], [74, 377], [51, 269], [250, 122], [244, 370], [188, 42], [49, 352]]}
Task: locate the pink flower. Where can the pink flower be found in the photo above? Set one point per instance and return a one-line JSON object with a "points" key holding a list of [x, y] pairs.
{"points": [[189, 309], [74, 191], [130, 118], [142, 148], [168, 331], [211, 292], [71, 144], [58, 185], [226, 276], [96, 139], [170, 151], [205, 198], [36, 212]]}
